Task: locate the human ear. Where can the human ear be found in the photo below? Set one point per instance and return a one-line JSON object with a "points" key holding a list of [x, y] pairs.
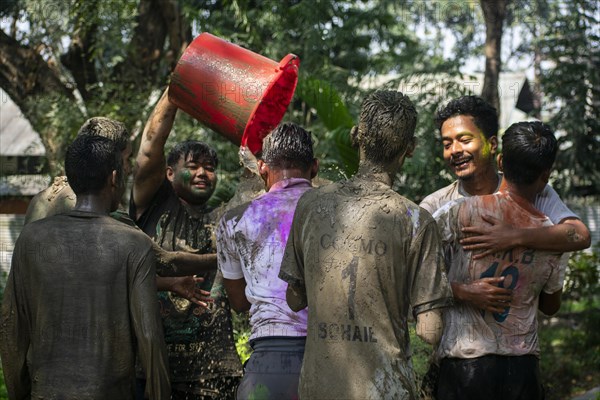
{"points": [[113, 178], [314, 169], [170, 174], [494, 144], [499, 160], [263, 168]]}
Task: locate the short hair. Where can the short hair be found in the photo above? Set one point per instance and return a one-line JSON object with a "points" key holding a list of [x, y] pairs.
{"points": [[108, 128], [484, 115], [89, 161], [288, 146], [528, 149], [191, 148], [386, 126]]}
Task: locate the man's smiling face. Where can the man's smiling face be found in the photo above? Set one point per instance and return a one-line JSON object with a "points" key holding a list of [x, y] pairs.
{"points": [[194, 180], [467, 151]]}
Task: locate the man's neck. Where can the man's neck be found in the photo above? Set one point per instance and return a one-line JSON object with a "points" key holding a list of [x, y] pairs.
{"points": [[93, 204], [195, 209], [481, 185], [277, 175], [373, 173], [525, 192]]}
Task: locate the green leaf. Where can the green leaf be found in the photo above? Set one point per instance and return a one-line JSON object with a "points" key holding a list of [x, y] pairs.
{"points": [[327, 102]]}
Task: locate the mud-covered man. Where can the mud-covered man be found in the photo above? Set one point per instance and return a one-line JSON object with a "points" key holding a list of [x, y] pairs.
{"points": [[70, 327], [494, 354], [169, 202], [358, 255], [173, 267]]}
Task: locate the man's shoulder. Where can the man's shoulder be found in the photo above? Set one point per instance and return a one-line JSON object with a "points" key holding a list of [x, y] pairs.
{"points": [[236, 212], [314, 193], [440, 197]]}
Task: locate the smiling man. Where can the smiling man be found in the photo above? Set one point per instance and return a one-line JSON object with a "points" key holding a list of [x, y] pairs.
{"points": [[469, 127], [168, 202]]}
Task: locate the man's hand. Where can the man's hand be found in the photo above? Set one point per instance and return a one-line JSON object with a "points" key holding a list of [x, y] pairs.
{"points": [[484, 294], [186, 287], [495, 238]]}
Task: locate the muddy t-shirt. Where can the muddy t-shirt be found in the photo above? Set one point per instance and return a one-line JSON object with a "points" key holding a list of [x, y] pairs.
{"points": [[199, 341], [547, 201], [79, 300], [361, 254], [471, 332]]}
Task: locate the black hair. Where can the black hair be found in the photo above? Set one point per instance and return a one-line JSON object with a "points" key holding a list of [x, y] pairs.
{"points": [[484, 115], [528, 149], [387, 125], [89, 161], [108, 128], [288, 146], [193, 149]]}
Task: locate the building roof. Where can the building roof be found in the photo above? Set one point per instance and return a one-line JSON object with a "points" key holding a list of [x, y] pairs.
{"points": [[23, 185], [17, 137]]}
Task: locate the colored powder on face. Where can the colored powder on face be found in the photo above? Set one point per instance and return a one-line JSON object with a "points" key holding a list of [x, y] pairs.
{"points": [[186, 176], [486, 148]]}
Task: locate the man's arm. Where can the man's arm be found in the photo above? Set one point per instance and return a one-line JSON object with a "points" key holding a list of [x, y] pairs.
{"points": [[236, 293], [569, 235], [148, 329], [186, 287], [150, 163], [14, 338], [550, 303], [429, 326], [182, 263]]}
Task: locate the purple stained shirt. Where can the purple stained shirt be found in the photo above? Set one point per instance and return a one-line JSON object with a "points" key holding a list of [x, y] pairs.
{"points": [[251, 240]]}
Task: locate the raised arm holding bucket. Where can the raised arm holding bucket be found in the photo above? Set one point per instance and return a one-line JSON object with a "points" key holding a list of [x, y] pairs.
{"points": [[242, 96]]}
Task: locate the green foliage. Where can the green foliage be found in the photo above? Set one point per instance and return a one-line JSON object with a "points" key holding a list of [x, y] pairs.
{"points": [[571, 46], [583, 277], [241, 334], [570, 354], [3, 392], [334, 145]]}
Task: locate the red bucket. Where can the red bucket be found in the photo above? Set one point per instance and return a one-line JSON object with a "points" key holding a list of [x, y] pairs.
{"points": [[234, 91]]}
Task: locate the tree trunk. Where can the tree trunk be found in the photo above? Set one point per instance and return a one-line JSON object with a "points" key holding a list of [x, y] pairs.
{"points": [[40, 87], [494, 13]]}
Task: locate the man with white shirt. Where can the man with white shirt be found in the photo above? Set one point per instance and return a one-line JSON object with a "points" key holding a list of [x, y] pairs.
{"points": [[495, 354], [468, 127], [251, 241]]}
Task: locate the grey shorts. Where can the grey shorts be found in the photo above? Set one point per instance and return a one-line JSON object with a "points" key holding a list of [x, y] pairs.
{"points": [[273, 370]]}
